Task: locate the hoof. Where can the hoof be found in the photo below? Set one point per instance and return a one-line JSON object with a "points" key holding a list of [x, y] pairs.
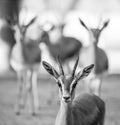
{"points": [[17, 113], [17, 110], [33, 114]]}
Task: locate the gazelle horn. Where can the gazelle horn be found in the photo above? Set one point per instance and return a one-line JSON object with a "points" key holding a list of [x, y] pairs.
{"points": [[83, 24], [60, 65], [75, 66]]}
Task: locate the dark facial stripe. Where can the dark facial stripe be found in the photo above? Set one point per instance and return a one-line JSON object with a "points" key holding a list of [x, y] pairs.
{"points": [[73, 86]]}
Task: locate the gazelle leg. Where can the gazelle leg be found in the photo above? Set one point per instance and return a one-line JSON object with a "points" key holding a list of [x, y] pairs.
{"points": [[24, 93], [35, 90], [30, 93], [19, 94]]}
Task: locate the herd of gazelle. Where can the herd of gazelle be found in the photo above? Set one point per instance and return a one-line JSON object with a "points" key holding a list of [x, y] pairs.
{"points": [[87, 109]]}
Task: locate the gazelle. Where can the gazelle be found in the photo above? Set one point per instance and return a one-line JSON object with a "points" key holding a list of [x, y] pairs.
{"points": [[96, 55], [25, 60], [67, 47], [86, 109]]}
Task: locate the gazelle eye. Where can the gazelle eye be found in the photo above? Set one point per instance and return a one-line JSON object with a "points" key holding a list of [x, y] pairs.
{"points": [[59, 84], [74, 85]]}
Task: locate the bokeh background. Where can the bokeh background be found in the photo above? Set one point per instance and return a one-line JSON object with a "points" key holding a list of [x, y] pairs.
{"points": [[92, 11], [57, 11]]}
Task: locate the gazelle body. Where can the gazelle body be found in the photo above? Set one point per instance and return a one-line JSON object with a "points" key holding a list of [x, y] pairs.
{"points": [[25, 60], [86, 109], [94, 54], [67, 47]]}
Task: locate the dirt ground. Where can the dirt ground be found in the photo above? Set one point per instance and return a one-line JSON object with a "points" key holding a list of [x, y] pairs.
{"points": [[49, 106]]}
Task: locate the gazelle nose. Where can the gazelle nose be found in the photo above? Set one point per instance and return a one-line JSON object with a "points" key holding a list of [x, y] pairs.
{"points": [[66, 98]]}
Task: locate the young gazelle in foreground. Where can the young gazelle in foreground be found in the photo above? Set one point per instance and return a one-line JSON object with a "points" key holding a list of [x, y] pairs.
{"points": [[86, 109], [25, 60], [94, 54]]}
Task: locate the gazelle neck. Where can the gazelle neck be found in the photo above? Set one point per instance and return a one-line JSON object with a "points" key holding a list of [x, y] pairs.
{"points": [[93, 50], [47, 41], [64, 116], [20, 38]]}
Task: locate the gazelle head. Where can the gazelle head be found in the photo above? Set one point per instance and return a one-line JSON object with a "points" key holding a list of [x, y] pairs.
{"points": [[95, 32], [44, 32], [19, 29], [67, 84]]}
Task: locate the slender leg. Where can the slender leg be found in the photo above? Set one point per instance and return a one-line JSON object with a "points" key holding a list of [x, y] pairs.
{"points": [[30, 93], [24, 93], [35, 90], [19, 94]]}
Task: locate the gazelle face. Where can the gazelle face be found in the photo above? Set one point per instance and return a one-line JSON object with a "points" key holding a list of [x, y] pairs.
{"points": [[44, 36], [67, 84], [94, 33], [19, 30], [16, 32]]}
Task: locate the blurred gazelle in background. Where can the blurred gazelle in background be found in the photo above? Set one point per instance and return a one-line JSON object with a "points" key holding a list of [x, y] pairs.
{"points": [[25, 60], [96, 55]]}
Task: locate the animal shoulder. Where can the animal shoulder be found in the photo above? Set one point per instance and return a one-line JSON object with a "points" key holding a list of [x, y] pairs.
{"points": [[69, 40], [100, 52], [86, 101], [87, 107]]}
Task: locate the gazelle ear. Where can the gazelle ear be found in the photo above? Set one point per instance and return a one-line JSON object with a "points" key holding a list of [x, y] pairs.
{"points": [[83, 24], [51, 28], [105, 24], [85, 72], [31, 21], [10, 22], [62, 25], [50, 70]]}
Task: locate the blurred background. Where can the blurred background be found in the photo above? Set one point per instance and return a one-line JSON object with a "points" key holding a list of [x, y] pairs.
{"points": [[57, 12], [92, 11]]}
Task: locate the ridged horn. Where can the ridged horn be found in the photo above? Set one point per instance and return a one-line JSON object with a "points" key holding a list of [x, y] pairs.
{"points": [[60, 65], [75, 66]]}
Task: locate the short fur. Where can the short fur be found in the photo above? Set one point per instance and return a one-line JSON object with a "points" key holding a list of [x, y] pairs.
{"points": [[88, 110]]}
